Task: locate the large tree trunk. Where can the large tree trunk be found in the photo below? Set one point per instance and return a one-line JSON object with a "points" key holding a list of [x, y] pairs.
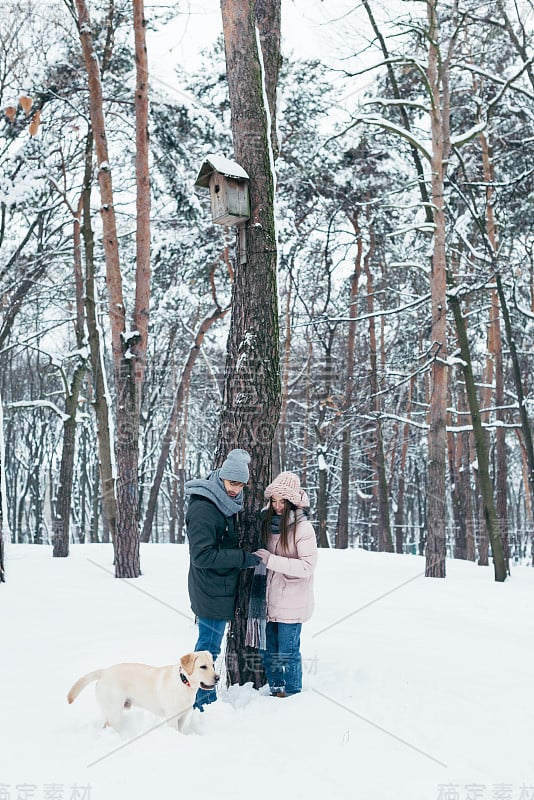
{"points": [[131, 359], [127, 421], [342, 533], [494, 377], [252, 379], [399, 518], [458, 526], [456, 444], [384, 539], [142, 199], [62, 507], [501, 462], [437, 435], [496, 356], [516, 372], [486, 488], [177, 530], [321, 447], [100, 389], [306, 447], [322, 489]]}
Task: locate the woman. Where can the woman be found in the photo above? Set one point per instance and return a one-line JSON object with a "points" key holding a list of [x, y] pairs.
{"points": [[290, 555]]}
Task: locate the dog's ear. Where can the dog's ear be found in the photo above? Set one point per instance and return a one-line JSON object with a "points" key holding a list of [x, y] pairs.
{"points": [[188, 662]]}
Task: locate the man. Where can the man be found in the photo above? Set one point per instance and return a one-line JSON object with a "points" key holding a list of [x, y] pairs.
{"points": [[215, 556]]}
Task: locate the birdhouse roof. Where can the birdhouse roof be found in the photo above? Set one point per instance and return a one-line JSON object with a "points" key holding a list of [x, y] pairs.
{"points": [[224, 166]]}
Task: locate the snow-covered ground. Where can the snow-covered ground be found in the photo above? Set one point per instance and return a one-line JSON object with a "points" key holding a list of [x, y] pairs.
{"points": [[415, 688]]}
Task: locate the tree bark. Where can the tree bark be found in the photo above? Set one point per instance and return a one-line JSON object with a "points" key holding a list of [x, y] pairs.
{"points": [[464, 546], [516, 371], [322, 490], [385, 543], [251, 404], [62, 507], [268, 20], [486, 488], [321, 447], [126, 542], [307, 410], [342, 533], [142, 177], [399, 517], [100, 389], [437, 436], [180, 474], [496, 356]]}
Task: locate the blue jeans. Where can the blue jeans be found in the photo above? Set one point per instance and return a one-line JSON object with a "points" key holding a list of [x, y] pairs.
{"points": [[210, 636], [281, 659]]}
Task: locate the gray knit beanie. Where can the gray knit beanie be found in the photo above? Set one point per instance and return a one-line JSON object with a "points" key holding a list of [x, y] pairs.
{"points": [[235, 468]]}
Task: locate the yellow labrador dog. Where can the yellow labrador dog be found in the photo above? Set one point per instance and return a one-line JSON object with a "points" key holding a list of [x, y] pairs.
{"points": [[166, 691]]}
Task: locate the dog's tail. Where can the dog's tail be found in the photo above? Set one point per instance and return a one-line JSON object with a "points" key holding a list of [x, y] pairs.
{"points": [[81, 683]]}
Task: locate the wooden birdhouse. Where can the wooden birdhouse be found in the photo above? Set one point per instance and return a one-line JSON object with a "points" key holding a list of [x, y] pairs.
{"points": [[228, 185]]}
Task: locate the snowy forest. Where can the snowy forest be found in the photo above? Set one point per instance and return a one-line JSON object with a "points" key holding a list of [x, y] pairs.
{"points": [[368, 327]]}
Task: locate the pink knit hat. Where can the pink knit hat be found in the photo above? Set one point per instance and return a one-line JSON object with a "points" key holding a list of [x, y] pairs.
{"points": [[287, 485]]}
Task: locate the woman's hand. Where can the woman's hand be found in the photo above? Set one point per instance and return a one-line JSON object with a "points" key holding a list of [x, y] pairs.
{"points": [[263, 554]]}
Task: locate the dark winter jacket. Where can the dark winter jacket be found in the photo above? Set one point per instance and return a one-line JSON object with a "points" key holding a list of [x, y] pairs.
{"points": [[215, 559]]}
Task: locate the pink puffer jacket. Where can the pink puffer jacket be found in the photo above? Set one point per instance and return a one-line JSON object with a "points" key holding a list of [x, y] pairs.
{"points": [[290, 576]]}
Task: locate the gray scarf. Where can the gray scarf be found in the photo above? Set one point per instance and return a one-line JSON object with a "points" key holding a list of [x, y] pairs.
{"points": [[213, 489], [255, 635], [257, 604]]}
